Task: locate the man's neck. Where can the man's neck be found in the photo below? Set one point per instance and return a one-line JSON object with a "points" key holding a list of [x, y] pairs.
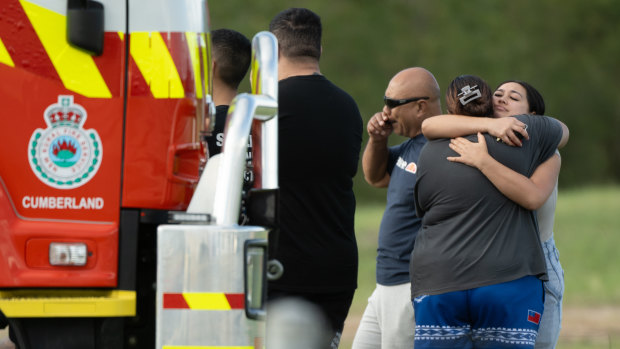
{"points": [[288, 68], [222, 93]]}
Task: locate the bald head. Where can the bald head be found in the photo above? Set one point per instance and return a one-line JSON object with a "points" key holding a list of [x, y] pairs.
{"points": [[416, 82], [419, 87]]}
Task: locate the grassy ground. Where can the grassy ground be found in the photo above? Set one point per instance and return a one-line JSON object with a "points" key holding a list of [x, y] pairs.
{"points": [[587, 230], [587, 233]]}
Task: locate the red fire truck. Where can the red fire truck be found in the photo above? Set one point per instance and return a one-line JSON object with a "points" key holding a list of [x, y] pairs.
{"points": [[115, 229]]}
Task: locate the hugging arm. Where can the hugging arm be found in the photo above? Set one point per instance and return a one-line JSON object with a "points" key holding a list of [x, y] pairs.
{"points": [[530, 193], [450, 126], [506, 129]]}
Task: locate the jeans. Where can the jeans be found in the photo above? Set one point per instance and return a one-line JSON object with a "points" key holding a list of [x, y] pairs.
{"points": [[550, 324]]}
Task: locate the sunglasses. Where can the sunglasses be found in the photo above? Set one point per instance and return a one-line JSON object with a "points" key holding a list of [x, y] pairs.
{"points": [[393, 103]]}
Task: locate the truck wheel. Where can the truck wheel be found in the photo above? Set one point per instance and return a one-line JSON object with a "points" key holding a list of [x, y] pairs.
{"points": [[66, 333], [17, 335]]}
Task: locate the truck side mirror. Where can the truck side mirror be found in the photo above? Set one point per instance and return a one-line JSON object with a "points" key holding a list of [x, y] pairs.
{"points": [[85, 25]]}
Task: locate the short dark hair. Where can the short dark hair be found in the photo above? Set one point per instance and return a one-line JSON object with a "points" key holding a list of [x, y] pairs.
{"points": [[298, 31], [232, 53], [534, 98], [481, 106]]}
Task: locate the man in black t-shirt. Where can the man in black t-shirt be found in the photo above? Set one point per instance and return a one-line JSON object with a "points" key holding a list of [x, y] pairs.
{"points": [[231, 60], [232, 53], [320, 134]]}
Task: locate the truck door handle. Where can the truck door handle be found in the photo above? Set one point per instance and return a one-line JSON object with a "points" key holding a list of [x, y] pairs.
{"points": [[180, 159], [255, 278]]}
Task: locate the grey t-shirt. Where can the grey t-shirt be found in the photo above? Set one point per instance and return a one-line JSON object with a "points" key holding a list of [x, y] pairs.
{"points": [[472, 235]]}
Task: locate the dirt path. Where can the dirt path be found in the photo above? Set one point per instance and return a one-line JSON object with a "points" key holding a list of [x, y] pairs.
{"points": [[596, 325]]}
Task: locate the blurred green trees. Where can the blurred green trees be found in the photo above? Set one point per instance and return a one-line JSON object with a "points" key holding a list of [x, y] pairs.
{"points": [[569, 50]]}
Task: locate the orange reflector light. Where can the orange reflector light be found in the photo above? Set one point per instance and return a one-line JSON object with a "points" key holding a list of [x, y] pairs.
{"points": [[68, 254]]}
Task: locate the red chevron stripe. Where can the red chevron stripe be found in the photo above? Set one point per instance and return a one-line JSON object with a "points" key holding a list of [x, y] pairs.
{"points": [[111, 62], [22, 41], [137, 84], [236, 300], [177, 46], [175, 301]]}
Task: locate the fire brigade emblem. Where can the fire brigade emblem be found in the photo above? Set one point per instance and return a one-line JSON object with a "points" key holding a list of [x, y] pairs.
{"points": [[65, 155]]}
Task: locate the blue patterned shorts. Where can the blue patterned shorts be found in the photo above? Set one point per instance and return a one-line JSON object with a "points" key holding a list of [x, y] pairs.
{"points": [[504, 315]]}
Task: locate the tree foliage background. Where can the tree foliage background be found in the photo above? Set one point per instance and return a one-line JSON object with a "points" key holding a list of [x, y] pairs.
{"points": [[568, 49]]}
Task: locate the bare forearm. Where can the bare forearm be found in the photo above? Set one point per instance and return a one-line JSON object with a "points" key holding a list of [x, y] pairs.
{"points": [[450, 126], [509, 130], [374, 163], [530, 193]]}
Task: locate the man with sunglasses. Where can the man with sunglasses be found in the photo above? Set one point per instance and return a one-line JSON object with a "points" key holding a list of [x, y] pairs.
{"points": [[411, 96]]}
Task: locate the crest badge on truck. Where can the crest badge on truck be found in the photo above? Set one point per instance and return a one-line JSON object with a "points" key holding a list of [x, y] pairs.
{"points": [[65, 155]]}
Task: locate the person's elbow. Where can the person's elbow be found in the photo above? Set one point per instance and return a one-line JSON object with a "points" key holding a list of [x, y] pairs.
{"points": [[427, 129], [425, 126], [377, 181], [534, 202], [565, 136]]}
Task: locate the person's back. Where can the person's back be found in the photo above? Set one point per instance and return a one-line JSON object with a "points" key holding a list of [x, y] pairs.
{"points": [[320, 134], [474, 235], [477, 265], [471, 229], [317, 164], [538, 192]]}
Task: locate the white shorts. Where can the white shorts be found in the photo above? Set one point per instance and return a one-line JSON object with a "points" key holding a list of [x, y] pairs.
{"points": [[388, 320]]}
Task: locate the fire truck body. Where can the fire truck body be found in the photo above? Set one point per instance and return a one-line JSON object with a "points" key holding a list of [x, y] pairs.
{"points": [[104, 104], [146, 132]]}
